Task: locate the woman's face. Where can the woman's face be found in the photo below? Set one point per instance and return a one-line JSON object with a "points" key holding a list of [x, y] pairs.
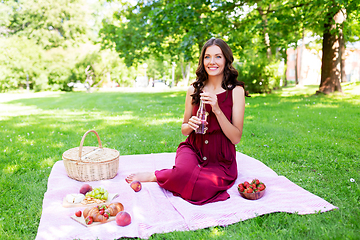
{"points": [[214, 61]]}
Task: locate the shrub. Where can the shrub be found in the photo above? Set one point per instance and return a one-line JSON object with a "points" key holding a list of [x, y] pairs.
{"points": [[21, 59], [259, 75]]}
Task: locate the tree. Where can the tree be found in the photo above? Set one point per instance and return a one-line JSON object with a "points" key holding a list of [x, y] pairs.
{"points": [[174, 31], [168, 30], [331, 58], [20, 59], [50, 23], [328, 19], [43, 41]]}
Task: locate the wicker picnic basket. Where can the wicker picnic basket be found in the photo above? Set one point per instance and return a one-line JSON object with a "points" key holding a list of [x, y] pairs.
{"points": [[91, 163]]}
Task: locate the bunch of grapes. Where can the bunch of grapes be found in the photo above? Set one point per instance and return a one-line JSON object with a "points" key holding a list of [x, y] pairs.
{"points": [[98, 193]]}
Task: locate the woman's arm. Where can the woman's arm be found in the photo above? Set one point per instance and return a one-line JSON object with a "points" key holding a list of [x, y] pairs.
{"points": [[233, 131], [190, 122]]}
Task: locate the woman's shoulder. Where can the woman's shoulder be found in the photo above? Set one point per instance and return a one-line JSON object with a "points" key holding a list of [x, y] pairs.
{"points": [[238, 90], [191, 90]]}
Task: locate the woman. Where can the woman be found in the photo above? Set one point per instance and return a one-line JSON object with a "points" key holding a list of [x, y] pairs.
{"points": [[205, 164]]}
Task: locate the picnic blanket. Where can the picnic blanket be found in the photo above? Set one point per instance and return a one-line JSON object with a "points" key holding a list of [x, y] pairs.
{"points": [[155, 210]]}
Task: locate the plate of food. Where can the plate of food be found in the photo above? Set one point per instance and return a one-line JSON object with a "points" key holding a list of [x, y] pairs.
{"points": [[88, 196], [99, 214]]}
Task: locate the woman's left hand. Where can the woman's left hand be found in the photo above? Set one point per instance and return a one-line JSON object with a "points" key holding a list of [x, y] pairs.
{"points": [[210, 98]]}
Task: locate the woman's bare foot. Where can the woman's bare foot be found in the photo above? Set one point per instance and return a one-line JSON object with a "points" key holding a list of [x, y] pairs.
{"points": [[142, 177]]}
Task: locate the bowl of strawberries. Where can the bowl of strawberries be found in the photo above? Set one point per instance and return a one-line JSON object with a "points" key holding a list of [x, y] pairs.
{"points": [[253, 190]]}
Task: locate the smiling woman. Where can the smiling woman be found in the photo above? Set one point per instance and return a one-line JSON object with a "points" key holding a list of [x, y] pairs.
{"points": [[214, 61], [205, 164]]}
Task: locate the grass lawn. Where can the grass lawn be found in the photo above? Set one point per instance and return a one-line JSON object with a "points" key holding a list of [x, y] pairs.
{"points": [[312, 140]]}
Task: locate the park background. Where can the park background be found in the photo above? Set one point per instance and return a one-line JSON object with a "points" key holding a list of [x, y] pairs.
{"points": [[62, 45], [70, 66]]}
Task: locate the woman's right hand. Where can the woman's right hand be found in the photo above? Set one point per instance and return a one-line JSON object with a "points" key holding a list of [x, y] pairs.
{"points": [[194, 122]]}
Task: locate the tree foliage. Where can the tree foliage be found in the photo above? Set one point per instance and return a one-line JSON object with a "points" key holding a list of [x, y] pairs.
{"points": [[46, 44], [168, 30], [253, 28], [21, 59], [50, 23]]}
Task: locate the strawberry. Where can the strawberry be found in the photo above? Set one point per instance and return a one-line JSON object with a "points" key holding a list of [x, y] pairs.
{"points": [[89, 220], [261, 186], [102, 207], [106, 215], [102, 211], [246, 184], [78, 213], [257, 182], [249, 190], [241, 188], [253, 185]]}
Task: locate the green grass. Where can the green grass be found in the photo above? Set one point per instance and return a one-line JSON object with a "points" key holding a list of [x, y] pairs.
{"points": [[312, 140]]}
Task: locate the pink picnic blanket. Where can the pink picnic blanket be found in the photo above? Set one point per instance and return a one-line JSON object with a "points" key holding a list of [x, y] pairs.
{"points": [[155, 210]]}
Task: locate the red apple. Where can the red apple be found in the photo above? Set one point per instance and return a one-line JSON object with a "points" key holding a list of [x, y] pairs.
{"points": [[136, 185], [123, 219], [85, 188]]}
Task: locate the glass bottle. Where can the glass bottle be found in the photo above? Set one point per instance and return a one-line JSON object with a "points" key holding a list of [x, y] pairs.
{"points": [[202, 115]]}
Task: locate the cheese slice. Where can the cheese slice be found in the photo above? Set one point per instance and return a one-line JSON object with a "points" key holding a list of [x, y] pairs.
{"points": [[75, 197]]}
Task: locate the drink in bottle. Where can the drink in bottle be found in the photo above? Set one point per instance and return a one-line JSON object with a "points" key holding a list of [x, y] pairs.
{"points": [[202, 115]]}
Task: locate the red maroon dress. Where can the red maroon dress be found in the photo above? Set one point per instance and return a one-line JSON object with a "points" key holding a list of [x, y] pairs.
{"points": [[205, 164]]}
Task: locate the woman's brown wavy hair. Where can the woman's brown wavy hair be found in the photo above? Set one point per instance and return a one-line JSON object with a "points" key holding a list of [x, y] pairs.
{"points": [[229, 81]]}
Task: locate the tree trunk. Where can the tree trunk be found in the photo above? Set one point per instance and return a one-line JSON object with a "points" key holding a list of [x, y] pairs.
{"points": [[296, 66], [342, 55], [285, 68], [265, 32], [182, 70], [330, 70], [301, 56], [188, 67], [173, 75], [185, 72]]}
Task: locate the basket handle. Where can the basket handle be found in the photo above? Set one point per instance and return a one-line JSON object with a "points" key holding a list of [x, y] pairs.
{"points": [[83, 139]]}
